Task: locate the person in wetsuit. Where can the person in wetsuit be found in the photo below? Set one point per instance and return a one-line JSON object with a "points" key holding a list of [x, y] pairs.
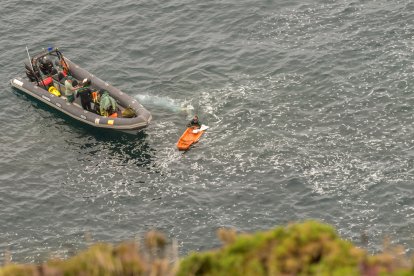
{"points": [[194, 122], [85, 94]]}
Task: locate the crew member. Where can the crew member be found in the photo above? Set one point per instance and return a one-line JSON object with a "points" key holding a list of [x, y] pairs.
{"points": [[85, 94]]}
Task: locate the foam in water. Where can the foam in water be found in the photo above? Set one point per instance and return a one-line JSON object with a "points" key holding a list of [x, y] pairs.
{"points": [[165, 102]]}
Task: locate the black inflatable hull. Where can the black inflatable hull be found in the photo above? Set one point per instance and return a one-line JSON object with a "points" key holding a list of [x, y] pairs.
{"points": [[74, 110]]}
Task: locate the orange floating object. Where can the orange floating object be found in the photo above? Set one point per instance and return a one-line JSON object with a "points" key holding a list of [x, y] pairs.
{"points": [[189, 138]]}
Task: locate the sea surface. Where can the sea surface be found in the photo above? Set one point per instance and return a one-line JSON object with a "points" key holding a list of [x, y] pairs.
{"points": [[309, 104]]}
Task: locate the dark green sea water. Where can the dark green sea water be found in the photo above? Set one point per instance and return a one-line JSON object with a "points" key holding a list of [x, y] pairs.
{"points": [[309, 105]]}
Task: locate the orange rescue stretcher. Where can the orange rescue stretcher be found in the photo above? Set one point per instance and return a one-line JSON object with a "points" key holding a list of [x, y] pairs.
{"points": [[190, 136]]}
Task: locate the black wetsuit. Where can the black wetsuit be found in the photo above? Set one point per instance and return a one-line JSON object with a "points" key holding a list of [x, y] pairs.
{"points": [[85, 94], [194, 122]]}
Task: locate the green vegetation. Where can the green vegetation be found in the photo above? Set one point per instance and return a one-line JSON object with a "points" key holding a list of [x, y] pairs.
{"points": [[309, 248], [104, 259]]}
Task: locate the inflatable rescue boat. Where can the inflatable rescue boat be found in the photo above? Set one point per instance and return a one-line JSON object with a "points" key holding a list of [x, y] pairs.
{"points": [[42, 83]]}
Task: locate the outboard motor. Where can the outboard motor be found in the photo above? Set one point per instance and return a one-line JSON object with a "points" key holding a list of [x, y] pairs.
{"points": [[30, 74]]}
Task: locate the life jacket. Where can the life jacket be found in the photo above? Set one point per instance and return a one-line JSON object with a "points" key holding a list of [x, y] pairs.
{"points": [[95, 97], [64, 66]]}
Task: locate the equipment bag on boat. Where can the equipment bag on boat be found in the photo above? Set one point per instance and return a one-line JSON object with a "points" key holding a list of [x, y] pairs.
{"points": [[128, 113], [54, 91]]}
